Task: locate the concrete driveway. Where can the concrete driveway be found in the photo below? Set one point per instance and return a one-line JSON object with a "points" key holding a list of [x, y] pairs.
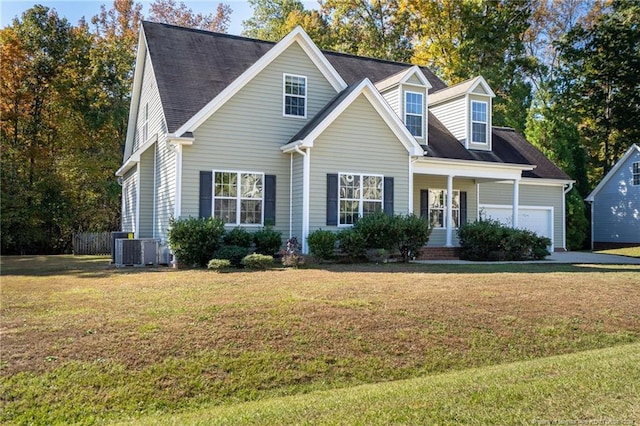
{"points": [[588, 257], [572, 257]]}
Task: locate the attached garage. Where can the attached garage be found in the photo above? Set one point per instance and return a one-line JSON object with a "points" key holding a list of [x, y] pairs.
{"points": [[536, 219]]}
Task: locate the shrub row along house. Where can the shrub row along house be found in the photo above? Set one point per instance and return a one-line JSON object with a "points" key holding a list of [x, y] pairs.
{"points": [[286, 135]]}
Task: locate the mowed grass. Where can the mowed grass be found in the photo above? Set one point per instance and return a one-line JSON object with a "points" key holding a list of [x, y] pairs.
{"points": [[84, 342]]}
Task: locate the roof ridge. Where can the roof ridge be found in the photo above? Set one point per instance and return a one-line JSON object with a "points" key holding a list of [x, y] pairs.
{"points": [[209, 32]]}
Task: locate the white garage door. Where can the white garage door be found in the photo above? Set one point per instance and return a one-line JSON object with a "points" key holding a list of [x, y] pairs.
{"points": [[536, 219]]}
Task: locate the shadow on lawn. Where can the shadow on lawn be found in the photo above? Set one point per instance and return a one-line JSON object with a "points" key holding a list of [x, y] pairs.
{"points": [[100, 267]]}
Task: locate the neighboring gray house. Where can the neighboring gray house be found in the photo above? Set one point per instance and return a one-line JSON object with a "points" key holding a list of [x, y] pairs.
{"points": [[284, 134], [615, 204]]}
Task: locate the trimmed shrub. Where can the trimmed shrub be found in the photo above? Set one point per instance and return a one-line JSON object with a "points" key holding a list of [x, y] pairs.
{"points": [[491, 240], [267, 241], [194, 240], [233, 254], [322, 244], [379, 230], [352, 244], [218, 264], [238, 237], [413, 233], [258, 261]]}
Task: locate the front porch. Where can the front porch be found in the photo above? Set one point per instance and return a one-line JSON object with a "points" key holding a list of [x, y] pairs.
{"points": [[447, 193]]}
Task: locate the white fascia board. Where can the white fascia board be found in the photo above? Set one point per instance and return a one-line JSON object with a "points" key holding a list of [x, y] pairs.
{"points": [[415, 70], [130, 163], [382, 108], [471, 169], [633, 148], [292, 146], [135, 157], [546, 182], [136, 92], [297, 35], [180, 140], [482, 82]]}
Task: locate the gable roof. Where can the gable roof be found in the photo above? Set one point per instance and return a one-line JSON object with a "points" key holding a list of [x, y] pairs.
{"points": [[192, 67], [341, 101], [614, 170], [459, 89]]}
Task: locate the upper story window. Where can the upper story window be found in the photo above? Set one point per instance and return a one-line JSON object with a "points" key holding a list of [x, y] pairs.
{"points": [[479, 122], [636, 173], [295, 96], [413, 112], [359, 195], [238, 197]]}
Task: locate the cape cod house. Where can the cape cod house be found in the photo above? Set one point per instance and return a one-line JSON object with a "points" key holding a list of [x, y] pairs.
{"points": [[283, 134], [615, 204]]}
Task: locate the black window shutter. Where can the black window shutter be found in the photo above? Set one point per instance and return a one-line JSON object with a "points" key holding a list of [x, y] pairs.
{"points": [[332, 199], [206, 193], [388, 195], [463, 207], [269, 200], [424, 203]]}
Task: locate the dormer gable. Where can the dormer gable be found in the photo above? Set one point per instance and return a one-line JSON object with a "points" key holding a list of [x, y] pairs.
{"points": [[465, 109], [407, 93]]}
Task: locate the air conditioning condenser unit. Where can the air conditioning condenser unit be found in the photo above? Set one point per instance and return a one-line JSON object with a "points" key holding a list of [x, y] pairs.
{"points": [[136, 252]]}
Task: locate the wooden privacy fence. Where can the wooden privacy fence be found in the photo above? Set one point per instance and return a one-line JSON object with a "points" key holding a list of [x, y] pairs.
{"points": [[92, 243]]}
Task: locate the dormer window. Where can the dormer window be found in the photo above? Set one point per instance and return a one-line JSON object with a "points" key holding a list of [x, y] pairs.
{"points": [[413, 112], [478, 122], [295, 96]]}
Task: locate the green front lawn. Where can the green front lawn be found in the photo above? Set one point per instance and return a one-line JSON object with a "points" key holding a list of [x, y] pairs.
{"points": [[85, 342], [627, 251]]}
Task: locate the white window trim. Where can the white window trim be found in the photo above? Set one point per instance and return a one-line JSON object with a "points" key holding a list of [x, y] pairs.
{"points": [[636, 165], [486, 123], [360, 200], [284, 95], [444, 209], [238, 197], [421, 115]]}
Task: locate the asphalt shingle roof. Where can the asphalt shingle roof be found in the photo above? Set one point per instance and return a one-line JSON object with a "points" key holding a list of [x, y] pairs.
{"points": [[192, 67]]}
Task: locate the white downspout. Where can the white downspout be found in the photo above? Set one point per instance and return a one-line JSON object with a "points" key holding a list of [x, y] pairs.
{"points": [[516, 203], [290, 195], [305, 195], [177, 211], [449, 218], [564, 216]]}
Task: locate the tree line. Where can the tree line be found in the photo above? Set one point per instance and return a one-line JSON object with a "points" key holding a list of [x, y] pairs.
{"points": [[566, 74]]}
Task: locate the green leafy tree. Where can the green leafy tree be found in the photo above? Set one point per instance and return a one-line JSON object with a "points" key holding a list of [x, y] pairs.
{"points": [[599, 77]]}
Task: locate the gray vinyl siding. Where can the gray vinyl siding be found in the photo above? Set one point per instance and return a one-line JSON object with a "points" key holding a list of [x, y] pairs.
{"points": [[145, 215], [616, 206], [246, 133], [150, 95], [414, 80], [358, 142], [480, 146], [165, 188], [439, 236], [530, 195], [129, 200], [452, 115], [393, 99]]}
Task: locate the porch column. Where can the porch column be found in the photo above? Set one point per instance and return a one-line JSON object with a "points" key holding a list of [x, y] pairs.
{"points": [[516, 201], [449, 213]]}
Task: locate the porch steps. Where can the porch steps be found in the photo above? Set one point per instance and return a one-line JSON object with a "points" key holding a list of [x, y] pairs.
{"points": [[439, 253]]}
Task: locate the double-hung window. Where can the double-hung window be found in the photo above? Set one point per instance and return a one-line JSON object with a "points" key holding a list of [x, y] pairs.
{"points": [[238, 197], [636, 173], [479, 122], [438, 208], [295, 96], [359, 195], [413, 112]]}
